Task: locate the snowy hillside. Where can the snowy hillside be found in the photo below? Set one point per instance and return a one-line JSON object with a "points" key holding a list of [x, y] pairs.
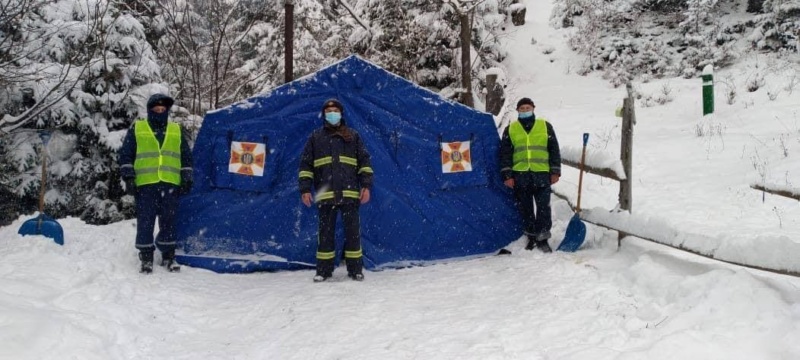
{"points": [[691, 173]]}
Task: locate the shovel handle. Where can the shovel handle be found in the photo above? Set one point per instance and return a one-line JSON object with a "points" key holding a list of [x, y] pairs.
{"points": [[580, 176], [44, 179], [45, 136]]}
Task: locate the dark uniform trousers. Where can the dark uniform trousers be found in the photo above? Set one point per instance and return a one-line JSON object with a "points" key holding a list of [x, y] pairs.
{"points": [[327, 241], [156, 201], [527, 192]]}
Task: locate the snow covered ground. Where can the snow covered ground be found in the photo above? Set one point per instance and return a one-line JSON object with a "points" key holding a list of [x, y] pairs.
{"points": [[85, 300]]}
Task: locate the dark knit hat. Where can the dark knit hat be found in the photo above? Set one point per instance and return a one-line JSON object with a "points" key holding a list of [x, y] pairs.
{"points": [[524, 101], [160, 99], [332, 103]]}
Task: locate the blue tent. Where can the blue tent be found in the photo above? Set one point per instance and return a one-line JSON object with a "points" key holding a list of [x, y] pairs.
{"points": [[426, 205]]}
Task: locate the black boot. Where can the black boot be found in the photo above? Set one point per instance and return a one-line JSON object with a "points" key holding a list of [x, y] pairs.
{"points": [[543, 246], [168, 261], [354, 269], [531, 243], [324, 270], [147, 261]]}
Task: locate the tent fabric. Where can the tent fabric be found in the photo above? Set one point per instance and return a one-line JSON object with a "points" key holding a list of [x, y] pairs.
{"points": [[418, 214]]}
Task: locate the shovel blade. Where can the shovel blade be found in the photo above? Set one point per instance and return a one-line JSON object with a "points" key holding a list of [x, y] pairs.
{"points": [[574, 236], [45, 226]]}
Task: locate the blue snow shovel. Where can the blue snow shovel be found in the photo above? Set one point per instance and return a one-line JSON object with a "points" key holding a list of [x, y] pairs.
{"points": [[43, 224], [576, 229]]}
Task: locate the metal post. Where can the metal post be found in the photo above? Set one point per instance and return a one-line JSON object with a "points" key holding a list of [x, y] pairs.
{"points": [[708, 89]]}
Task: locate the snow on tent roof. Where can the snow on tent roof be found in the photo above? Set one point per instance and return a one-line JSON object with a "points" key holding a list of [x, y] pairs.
{"points": [[418, 214]]}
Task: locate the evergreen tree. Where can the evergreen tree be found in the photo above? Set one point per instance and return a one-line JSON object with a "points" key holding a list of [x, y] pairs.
{"points": [[101, 68], [778, 29]]}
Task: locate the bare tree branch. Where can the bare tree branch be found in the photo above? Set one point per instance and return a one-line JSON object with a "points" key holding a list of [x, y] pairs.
{"points": [[355, 16]]}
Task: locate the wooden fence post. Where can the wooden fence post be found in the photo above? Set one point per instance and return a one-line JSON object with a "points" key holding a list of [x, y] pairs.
{"points": [[626, 151], [494, 95], [518, 14]]}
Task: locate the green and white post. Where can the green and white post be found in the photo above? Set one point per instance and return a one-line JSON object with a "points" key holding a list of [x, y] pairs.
{"points": [[708, 89]]}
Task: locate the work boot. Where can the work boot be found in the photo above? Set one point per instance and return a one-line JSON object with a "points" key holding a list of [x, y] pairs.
{"points": [[543, 246], [531, 243], [357, 276], [320, 278], [168, 261], [354, 266], [147, 262]]}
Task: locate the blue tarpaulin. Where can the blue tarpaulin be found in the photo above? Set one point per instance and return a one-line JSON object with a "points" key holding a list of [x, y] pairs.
{"points": [[420, 212]]}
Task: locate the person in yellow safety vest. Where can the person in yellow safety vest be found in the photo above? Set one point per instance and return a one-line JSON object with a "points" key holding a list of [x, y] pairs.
{"points": [[530, 162], [155, 163], [336, 164]]}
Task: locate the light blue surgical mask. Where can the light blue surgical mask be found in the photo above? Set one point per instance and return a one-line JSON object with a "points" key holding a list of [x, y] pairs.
{"points": [[333, 118], [525, 114]]}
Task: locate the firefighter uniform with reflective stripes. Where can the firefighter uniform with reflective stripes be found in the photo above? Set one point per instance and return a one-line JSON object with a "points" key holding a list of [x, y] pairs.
{"points": [[529, 154], [337, 167]]}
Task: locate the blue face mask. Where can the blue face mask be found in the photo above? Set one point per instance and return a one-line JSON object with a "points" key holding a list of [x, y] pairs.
{"points": [[333, 118], [525, 115]]}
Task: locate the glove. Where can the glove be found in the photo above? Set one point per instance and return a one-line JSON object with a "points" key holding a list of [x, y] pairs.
{"points": [[130, 187], [186, 187]]}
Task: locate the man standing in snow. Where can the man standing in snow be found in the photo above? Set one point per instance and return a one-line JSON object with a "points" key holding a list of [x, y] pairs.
{"points": [[530, 161], [337, 164], [155, 163]]}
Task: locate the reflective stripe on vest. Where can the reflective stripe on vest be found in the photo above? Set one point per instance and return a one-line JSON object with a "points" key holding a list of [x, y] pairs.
{"points": [[530, 149], [156, 164]]}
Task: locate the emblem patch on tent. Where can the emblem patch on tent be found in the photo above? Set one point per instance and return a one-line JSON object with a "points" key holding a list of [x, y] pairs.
{"points": [[456, 157], [247, 158]]}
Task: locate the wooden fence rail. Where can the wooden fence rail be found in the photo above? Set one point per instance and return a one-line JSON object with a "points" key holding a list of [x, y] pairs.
{"points": [[780, 192], [626, 194]]}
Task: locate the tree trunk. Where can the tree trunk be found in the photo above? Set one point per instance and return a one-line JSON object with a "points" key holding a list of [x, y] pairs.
{"points": [[494, 95]]}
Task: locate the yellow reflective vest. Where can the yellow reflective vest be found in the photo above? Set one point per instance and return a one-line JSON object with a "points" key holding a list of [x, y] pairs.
{"points": [[156, 164], [530, 149]]}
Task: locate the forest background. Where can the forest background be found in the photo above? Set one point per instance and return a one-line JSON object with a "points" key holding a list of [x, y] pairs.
{"points": [[83, 69]]}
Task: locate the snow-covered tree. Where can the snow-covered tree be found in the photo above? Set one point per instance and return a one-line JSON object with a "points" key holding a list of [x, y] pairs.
{"points": [[208, 51], [648, 38], [779, 27], [705, 44], [106, 69]]}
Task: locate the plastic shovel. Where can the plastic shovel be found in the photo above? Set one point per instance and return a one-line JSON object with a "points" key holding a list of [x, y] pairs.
{"points": [[576, 229], [43, 224]]}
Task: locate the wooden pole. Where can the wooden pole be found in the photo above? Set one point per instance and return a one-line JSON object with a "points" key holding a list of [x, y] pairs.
{"points": [[626, 151], [784, 193], [466, 68], [288, 64]]}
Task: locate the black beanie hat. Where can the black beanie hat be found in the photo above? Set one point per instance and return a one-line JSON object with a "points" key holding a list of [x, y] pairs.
{"points": [[159, 99], [524, 101], [332, 103]]}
